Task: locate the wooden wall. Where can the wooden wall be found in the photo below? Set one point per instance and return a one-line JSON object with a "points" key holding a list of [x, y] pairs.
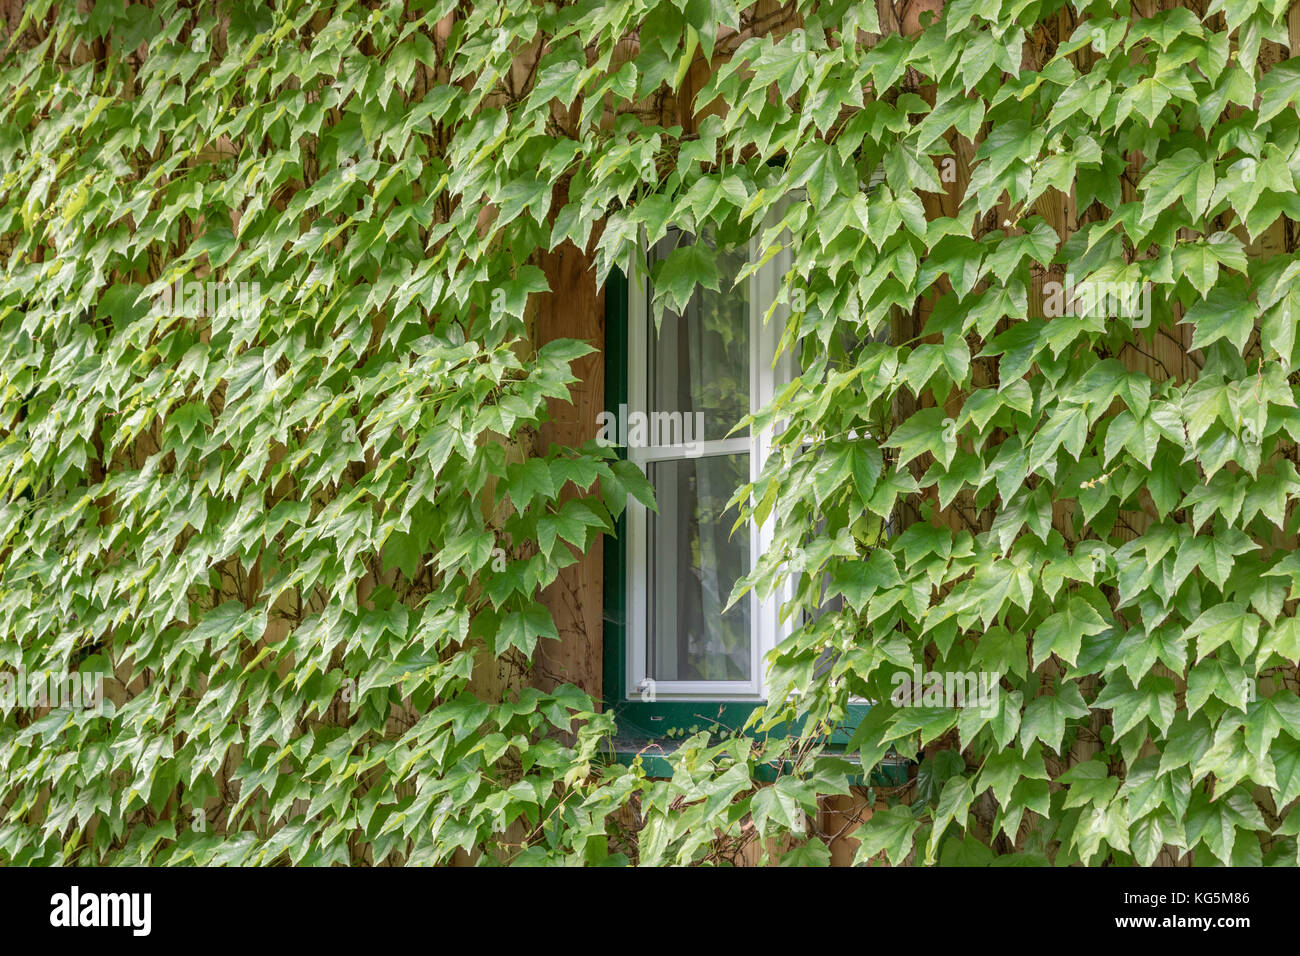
{"points": [[575, 308]]}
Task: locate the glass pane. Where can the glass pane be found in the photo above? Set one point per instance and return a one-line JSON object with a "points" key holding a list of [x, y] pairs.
{"points": [[694, 562], [699, 361]]}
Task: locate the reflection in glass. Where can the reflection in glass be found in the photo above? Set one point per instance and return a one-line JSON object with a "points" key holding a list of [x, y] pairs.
{"points": [[699, 361], [694, 563]]}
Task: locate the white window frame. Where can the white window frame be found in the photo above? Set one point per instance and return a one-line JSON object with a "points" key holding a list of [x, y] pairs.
{"points": [[764, 380]]}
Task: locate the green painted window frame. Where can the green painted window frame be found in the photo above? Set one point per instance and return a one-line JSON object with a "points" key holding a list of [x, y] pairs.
{"points": [[637, 719], [645, 722]]}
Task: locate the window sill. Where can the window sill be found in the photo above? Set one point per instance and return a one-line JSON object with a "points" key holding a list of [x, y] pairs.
{"points": [[653, 731], [655, 757]]}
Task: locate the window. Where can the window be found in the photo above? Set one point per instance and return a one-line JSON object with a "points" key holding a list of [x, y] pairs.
{"points": [[693, 379], [677, 392], [673, 660]]}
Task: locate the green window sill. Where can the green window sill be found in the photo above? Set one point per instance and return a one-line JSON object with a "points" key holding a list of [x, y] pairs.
{"points": [[652, 731]]}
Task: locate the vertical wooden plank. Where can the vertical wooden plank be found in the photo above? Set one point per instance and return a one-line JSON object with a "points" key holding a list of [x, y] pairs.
{"points": [[575, 308]]}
